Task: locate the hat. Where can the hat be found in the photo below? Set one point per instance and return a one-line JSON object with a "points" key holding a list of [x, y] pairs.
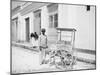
{"points": [[43, 30]]}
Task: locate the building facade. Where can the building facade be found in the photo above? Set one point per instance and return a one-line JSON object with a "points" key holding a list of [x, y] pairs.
{"points": [[32, 16]]}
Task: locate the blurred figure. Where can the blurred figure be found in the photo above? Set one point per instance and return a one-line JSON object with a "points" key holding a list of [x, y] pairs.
{"points": [[34, 39], [42, 45], [36, 36]]}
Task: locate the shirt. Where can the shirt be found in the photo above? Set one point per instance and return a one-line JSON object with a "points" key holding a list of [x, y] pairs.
{"points": [[34, 42], [43, 40]]}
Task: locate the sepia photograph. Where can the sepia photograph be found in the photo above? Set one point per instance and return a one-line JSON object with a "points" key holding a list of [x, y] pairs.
{"points": [[52, 37]]}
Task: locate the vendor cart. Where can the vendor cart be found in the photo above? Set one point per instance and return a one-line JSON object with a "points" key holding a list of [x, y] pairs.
{"points": [[69, 35], [61, 54]]}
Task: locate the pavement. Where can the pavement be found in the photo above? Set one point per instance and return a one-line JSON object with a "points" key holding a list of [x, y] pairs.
{"points": [[28, 61], [82, 55]]}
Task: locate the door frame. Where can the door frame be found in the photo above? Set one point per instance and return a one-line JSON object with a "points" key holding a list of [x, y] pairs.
{"points": [[15, 20], [37, 11], [27, 33]]}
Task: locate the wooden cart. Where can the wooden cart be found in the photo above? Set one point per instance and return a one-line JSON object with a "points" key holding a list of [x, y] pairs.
{"points": [[62, 57]]}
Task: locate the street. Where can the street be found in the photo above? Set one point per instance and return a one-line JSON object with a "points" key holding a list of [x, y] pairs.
{"points": [[27, 61]]}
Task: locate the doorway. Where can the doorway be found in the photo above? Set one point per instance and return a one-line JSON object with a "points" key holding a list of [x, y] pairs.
{"points": [[37, 22], [14, 29], [27, 20]]}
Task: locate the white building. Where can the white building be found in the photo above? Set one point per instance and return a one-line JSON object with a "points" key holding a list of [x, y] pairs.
{"points": [[32, 16]]}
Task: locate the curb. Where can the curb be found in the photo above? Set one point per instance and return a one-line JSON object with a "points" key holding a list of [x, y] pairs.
{"points": [[25, 47], [86, 60]]}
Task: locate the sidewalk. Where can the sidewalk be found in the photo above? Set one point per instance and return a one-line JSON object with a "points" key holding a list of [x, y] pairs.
{"points": [[81, 55], [24, 45], [85, 57]]}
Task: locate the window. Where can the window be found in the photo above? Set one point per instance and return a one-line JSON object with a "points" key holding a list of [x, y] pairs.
{"points": [[56, 20], [53, 15], [14, 29], [53, 20]]}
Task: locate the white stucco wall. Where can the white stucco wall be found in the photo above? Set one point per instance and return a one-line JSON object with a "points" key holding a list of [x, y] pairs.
{"points": [[44, 18], [22, 29], [50, 32], [73, 16], [18, 27], [23, 25]]}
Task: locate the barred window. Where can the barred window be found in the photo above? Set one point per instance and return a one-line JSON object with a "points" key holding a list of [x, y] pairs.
{"points": [[53, 15], [53, 21]]}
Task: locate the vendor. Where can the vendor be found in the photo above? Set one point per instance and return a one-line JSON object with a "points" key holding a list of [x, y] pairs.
{"points": [[43, 45]]}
